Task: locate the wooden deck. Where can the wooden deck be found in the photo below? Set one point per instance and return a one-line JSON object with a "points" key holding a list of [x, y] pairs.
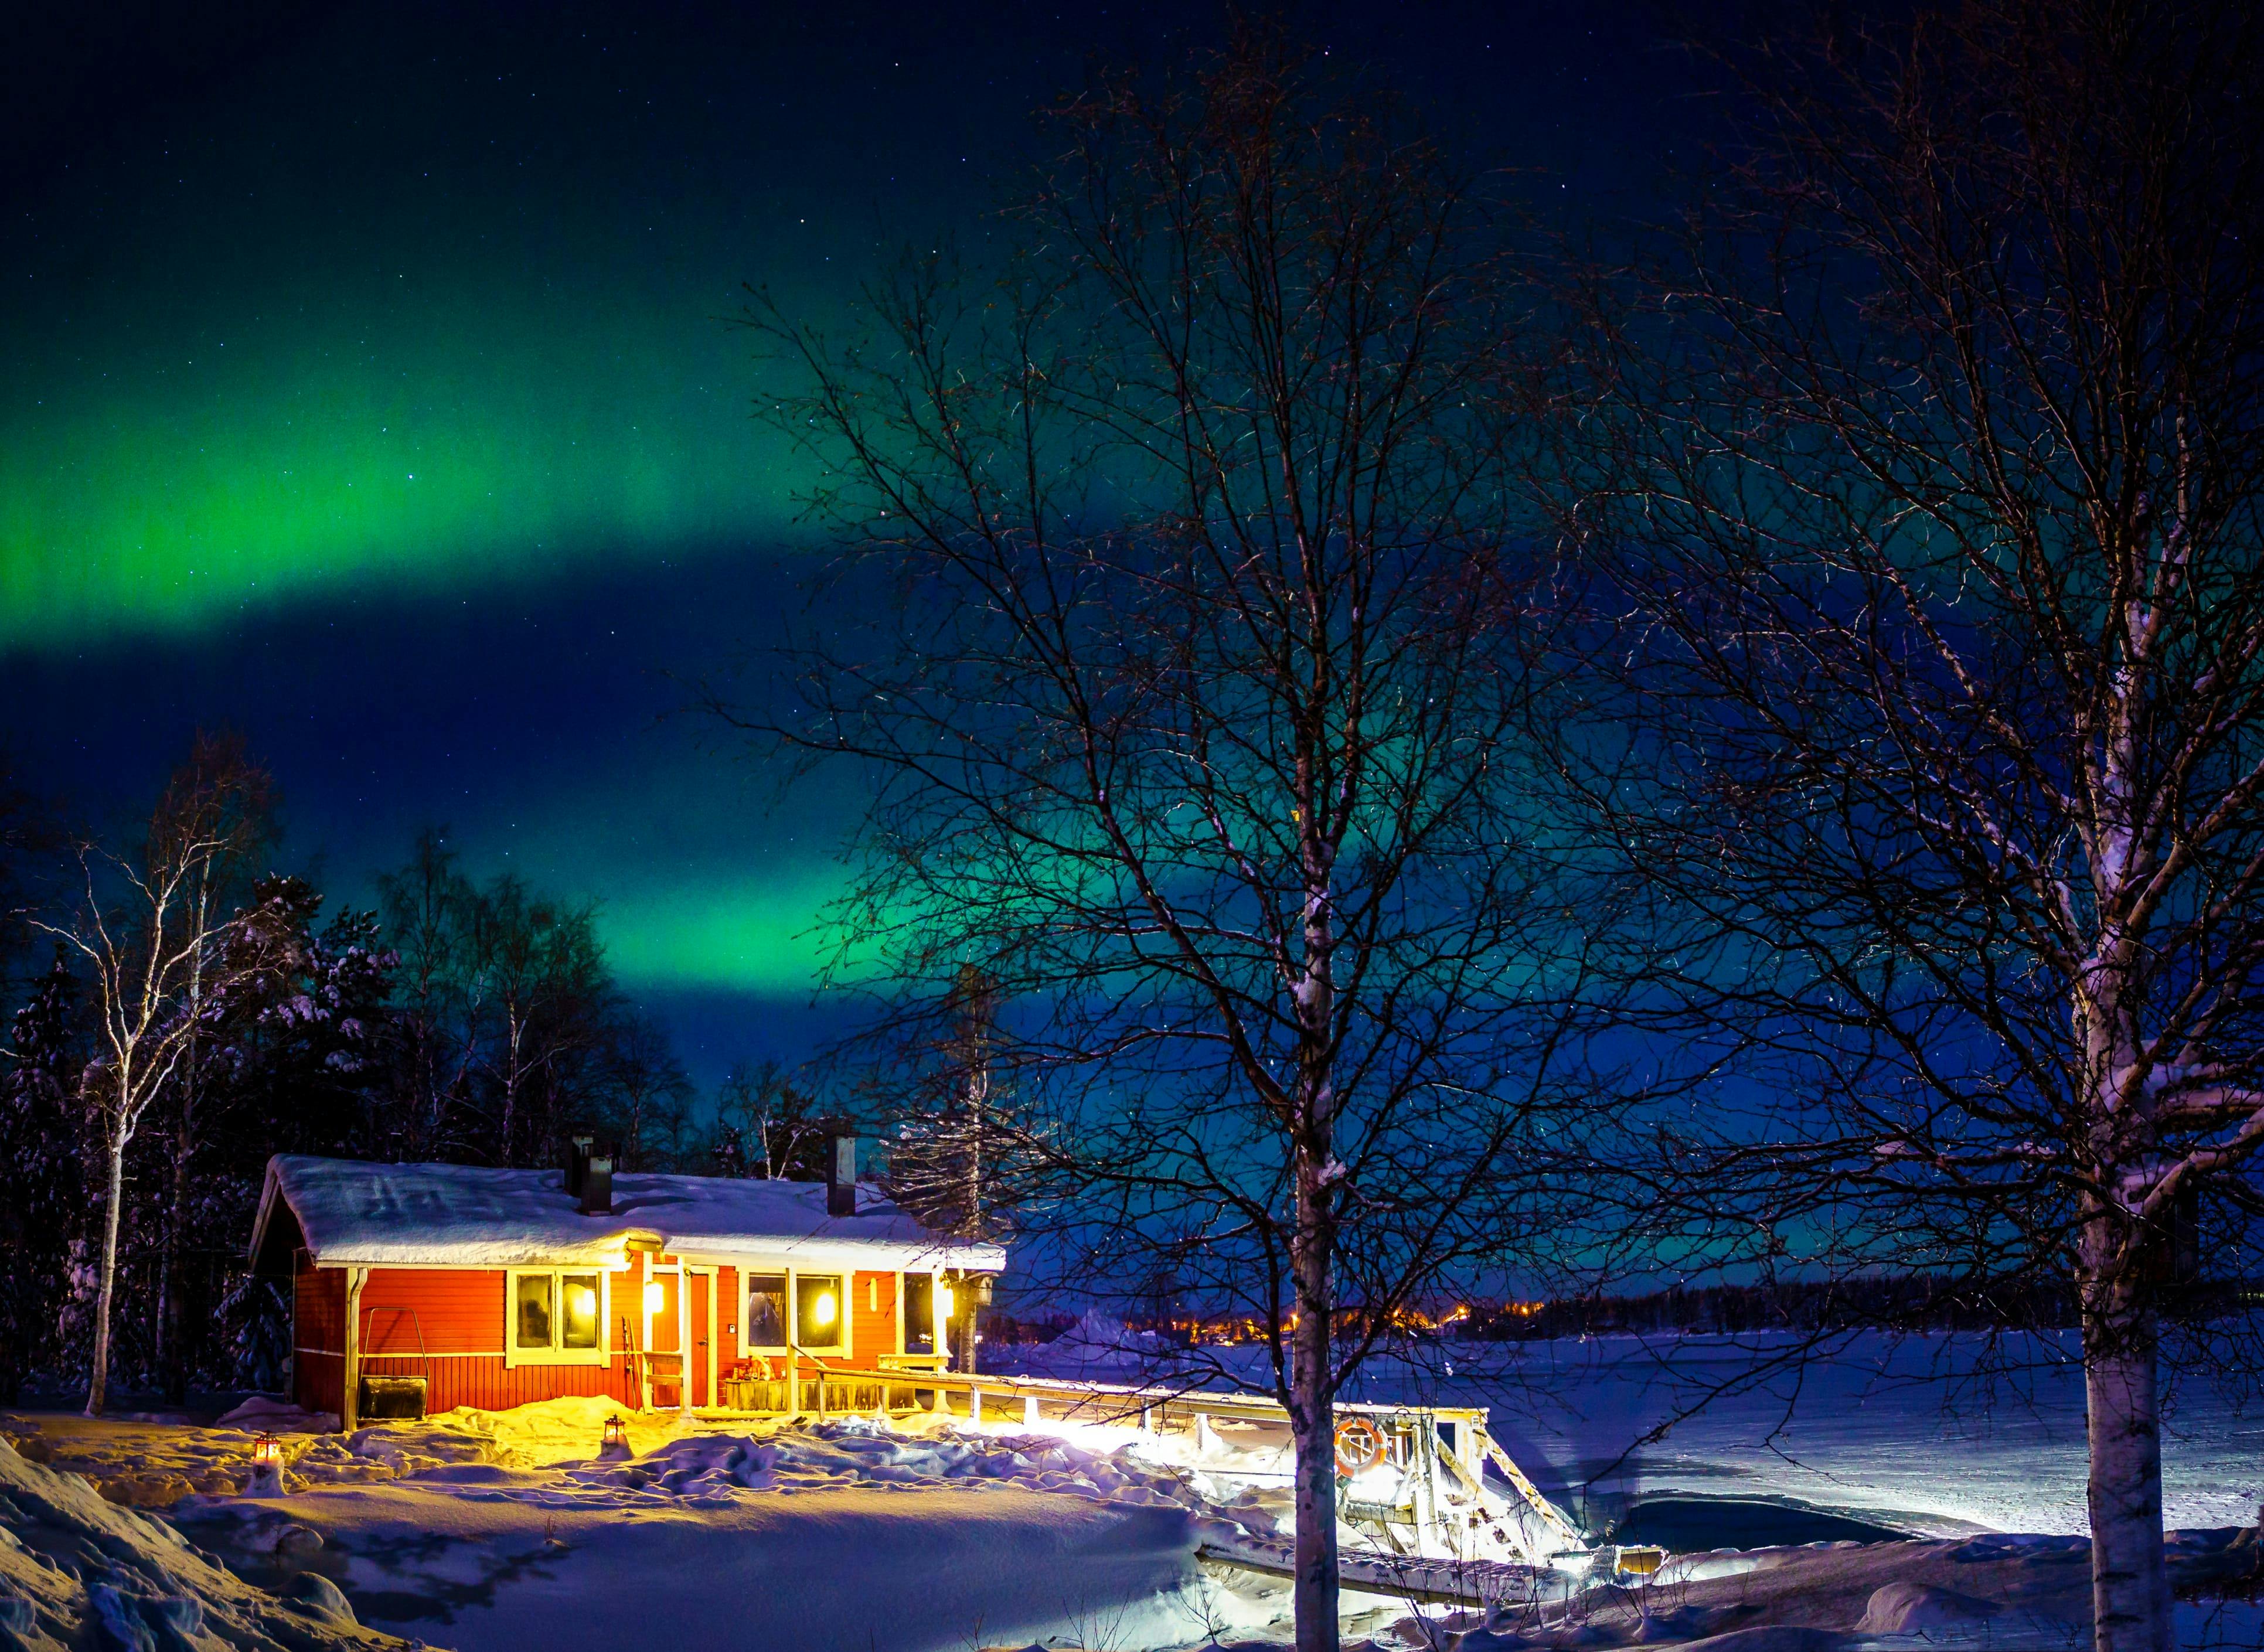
{"points": [[1427, 1497]]}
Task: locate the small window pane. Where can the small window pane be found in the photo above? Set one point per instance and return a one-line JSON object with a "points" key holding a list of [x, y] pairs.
{"points": [[578, 1294], [817, 1310], [533, 1319], [765, 1326], [919, 1313]]}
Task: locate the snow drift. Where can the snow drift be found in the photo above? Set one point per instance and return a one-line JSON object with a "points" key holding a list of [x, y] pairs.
{"points": [[75, 1570]]}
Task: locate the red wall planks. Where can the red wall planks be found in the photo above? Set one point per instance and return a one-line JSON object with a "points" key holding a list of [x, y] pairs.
{"points": [[492, 1385], [434, 1310], [318, 1318], [448, 1325], [872, 1331]]}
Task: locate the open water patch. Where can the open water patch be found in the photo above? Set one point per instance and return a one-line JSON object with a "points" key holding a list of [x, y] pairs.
{"points": [[1686, 1525]]}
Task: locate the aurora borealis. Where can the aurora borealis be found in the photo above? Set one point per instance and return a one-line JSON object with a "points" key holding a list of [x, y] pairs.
{"points": [[365, 385]]}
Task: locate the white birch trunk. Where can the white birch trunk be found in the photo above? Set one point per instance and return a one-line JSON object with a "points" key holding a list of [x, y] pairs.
{"points": [[2129, 1580], [97, 1381], [1312, 1418]]}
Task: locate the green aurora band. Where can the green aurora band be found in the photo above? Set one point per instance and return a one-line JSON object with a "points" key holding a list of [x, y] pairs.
{"points": [[270, 461]]}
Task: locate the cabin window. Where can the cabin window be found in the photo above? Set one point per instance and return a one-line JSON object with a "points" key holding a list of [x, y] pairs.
{"points": [[532, 1326], [821, 1313], [765, 1316], [918, 1318], [579, 1325], [557, 1316]]}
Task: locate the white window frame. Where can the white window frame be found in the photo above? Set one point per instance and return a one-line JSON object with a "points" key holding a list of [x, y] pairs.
{"points": [[513, 1355], [793, 1276], [747, 1272]]}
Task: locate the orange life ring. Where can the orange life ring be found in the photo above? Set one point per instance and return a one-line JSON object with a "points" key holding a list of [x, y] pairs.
{"points": [[1360, 1444]]}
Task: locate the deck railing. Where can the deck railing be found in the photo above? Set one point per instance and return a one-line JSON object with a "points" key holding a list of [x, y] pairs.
{"points": [[1438, 1455]]}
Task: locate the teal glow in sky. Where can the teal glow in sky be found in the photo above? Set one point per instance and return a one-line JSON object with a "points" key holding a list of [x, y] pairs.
{"points": [[365, 384]]}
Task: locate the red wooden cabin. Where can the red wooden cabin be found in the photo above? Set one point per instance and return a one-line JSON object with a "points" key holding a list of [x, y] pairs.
{"points": [[496, 1287]]}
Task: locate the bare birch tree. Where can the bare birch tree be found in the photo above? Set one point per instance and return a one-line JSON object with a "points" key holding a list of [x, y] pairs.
{"points": [[1197, 725], [155, 945], [220, 781], [1947, 574]]}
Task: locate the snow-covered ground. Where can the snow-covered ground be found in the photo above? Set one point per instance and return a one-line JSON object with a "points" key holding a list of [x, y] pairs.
{"points": [[478, 1531], [77, 1571]]}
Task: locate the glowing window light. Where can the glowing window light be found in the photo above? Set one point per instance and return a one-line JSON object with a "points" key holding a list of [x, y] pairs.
{"points": [[580, 1328], [655, 1297], [949, 1302], [825, 1310]]}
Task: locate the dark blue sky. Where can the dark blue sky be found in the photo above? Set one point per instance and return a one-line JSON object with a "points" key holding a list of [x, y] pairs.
{"points": [[363, 386]]}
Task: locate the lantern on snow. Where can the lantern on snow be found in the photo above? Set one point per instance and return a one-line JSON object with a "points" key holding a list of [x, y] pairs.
{"points": [[267, 1449]]}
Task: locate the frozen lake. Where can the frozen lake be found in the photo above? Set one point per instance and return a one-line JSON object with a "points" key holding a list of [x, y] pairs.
{"points": [[1914, 1432]]}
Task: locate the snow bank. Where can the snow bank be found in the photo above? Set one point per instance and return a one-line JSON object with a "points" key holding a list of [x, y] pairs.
{"points": [[268, 1415], [851, 1533], [76, 1570]]}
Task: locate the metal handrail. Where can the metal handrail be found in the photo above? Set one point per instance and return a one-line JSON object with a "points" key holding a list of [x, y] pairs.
{"points": [[369, 1326]]}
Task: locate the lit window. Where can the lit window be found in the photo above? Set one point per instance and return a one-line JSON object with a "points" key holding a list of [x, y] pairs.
{"points": [[557, 1317], [819, 1321], [578, 1294]]}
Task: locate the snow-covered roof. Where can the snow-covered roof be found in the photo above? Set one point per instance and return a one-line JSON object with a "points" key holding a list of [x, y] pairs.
{"points": [[432, 1215]]}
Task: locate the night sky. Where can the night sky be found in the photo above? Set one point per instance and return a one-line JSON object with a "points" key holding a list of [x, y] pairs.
{"points": [[365, 386]]}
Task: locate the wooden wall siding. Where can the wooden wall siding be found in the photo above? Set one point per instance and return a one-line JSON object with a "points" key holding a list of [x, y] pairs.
{"points": [[460, 1313], [871, 1331], [318, 1306], [492, 1385], [729, 1306], [456, 1311], [318, 1383], [318, 1320], [448, 1325]]}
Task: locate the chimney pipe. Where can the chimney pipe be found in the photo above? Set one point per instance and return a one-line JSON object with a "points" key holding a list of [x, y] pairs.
{"points": [[840, 1169], [578, 1161], [598, 1184]]}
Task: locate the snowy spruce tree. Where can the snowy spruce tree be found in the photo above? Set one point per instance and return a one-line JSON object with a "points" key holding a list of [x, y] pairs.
{"points": [[962, 1155], [42, 1197]]}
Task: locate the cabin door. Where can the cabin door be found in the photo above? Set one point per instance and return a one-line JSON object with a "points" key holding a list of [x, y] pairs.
{"points": [[702, 1286], [664, 1338]]}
